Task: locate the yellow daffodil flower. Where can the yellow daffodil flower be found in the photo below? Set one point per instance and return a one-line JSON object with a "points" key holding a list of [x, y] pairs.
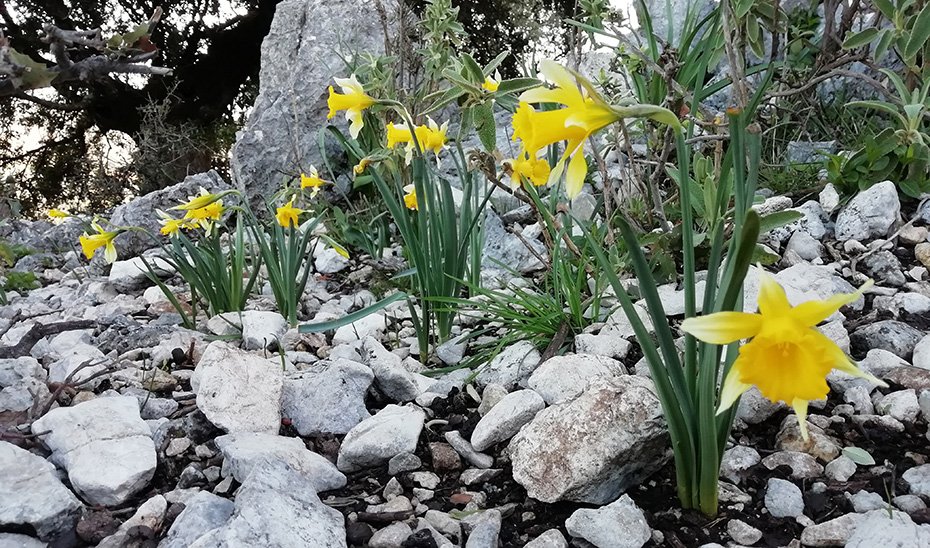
{"points": [[398, 134], [491, 84], [583, 113], [538, 130], [58, 214], [200, 201], [353, 100], [90, 243], [410, 198], [287, 214], [432, 136], [787, 359], [312, 181], [206, 216], [170, 225], [535, 170]]}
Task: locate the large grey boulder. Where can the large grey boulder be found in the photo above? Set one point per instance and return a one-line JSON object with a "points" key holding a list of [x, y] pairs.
{"points": [[593, 448], [870, 214], [32, 495], [238, 391], [202, 513], [504, 250], [620, 524], [884, 528], [563, 378], [303, 51], [374, 441], [327, 397], [278, 506], [247, 451], [104, 445], [141, 211], [22, 380]]}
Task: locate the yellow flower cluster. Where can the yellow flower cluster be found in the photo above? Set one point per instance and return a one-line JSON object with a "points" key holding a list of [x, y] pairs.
{"points": [[203, 211], [583, 113], [430, 136]]}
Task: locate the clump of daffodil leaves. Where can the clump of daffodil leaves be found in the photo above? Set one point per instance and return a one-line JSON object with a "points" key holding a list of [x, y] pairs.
{"points": [[222, 269]]}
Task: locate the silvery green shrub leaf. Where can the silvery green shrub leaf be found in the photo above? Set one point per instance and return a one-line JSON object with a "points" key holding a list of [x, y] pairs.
{"points": [[859, 456]]}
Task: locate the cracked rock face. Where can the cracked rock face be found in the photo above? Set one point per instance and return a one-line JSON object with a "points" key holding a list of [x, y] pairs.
{"points": [[298, 64], [238, 391], [104, 445], [594, 447], [278, 506], [32, 495]]}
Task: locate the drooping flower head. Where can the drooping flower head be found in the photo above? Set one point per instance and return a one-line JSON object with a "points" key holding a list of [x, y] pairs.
{"points": [[90, 243], [287, 214], [410, 198], [583, 112], [201, 200], [205, 217], [171, 226], [398, 134], [58, 214], [312, 181], [787, 358], [353, 100], [362, 165], [430, 136]]}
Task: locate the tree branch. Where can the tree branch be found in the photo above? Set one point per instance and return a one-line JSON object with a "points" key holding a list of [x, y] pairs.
{"points": [[50, 104]]}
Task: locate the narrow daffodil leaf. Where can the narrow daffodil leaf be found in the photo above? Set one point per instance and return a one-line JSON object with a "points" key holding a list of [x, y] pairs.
{"points": [[353, 317]]}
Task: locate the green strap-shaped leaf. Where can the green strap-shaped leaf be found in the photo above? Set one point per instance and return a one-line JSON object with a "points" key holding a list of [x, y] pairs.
{"points": [[517, 85], [473, 69], [353, 317], [777, 219]]}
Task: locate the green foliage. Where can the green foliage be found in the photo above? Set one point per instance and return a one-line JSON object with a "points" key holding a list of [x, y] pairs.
{"points": [[220, 268], [438, 241], [286, 256], [908, 36], [20, 281], [900, 153], [442, 33], [10, 253], [365, 229], [548, 314]]}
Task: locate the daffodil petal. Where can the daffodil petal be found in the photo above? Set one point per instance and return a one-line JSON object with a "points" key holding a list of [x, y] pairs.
{"points": [[812, 313], [355, 122], [574, 177], [109, 253], [541, 95], [732, 388], [558, 75], [723, 327], [800, 409], [844, 364], [772, 298]]}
